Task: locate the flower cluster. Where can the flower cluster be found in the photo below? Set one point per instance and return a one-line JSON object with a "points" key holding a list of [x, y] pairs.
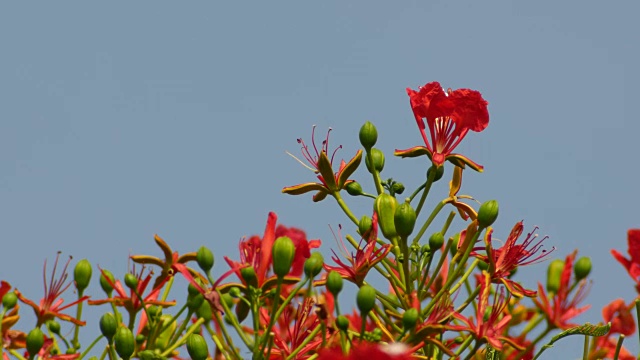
{"points": [[422, 288]]}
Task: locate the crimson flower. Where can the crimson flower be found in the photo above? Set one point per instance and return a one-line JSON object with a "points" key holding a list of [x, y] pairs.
{"points": [[632, 265], [505, 260], [450, 115], [560, 309], [50, 306], [491, 328], [619, 315], [320, 164], [368, 351], [365, 258]]}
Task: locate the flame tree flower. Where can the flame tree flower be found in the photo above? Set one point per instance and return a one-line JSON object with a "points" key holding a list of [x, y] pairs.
{"points": [[505, 260], [330, 182], [633, 264], [50, 306], [449, 115]]}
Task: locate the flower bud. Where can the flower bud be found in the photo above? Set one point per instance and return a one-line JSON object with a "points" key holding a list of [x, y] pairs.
{"points": [[378, 160], [108, 326], [364, 225], [154, 311], [53, 326], [35, 340], [162, 341], [125, 342], [397, 188], [140, 339], [104, 284], [194, 301], [342, 323], [197, 347], [283, 253], [235, 292], [368, 135], [205, 259], [227, 299], [313, 265], [192, 290], [410, 318], [366, 299], [404, 219], [204, 311], [554, 272], [82, 274], [249, 276], [582, 268], [9, 300], [334, 283], [353, 188], [483, 265], [439, 172], [242, 311], [488, 213], [436, 240], [385, 205], [131, 281]]}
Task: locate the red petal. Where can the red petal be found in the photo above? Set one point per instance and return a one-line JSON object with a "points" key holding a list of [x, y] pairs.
{"points": [[633, 239], [470, 109], [266, 245]]}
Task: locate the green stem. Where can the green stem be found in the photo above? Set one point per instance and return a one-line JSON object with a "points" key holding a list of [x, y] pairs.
{"points": [[433, 215], [84, 353], [427, 187], [167, 288], [618, 347], [465, 276], [344, 207], [585, 348], [375, 174], [534, 342], [304, 342], [76, 331], [181, 341], [439, 266], [16, 354], [272, 320]]}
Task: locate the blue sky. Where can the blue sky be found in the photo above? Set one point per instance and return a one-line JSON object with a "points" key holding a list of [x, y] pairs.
{"points": [[120, 122]]}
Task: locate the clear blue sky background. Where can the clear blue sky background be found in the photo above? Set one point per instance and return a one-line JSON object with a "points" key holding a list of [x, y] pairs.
{"points": [[120, 121]]}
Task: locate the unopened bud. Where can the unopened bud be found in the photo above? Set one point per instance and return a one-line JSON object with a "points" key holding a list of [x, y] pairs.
{"points": [[205, 259], [283, 253], [104, 284], [582, 268], [204, 311], [353, 188], [378, 160], [125, 342], [364, 225], [439, 172], [235, 292], [197, 347], [334, 283], [366, 299], [410, 318], [9, 300], [108, 326], [53, 326], [131, 281], [342, 323], [397, 188], [248, 274], [385, 206], [313, 265], [82, 274], [368, 135], [435, 241], [488, 213], [404, 219], [35, 340], [554, 273]]}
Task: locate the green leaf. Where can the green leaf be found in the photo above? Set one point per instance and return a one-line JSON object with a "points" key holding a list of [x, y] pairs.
{"points": [[586, 329]]}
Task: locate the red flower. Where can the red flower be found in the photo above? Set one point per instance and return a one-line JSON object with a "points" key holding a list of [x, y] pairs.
{"points": [[503, 261], [51, 304], [449, 116], [368, 351], [365, 258], [330, 182], [303, 246], [560, 309], [620, 317], [632, 265], [492, 328]]}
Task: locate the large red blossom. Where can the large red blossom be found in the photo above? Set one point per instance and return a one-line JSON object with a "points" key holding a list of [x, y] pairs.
{"points": [[449, 116], [619, 315], [368, 351], [633, 264]]}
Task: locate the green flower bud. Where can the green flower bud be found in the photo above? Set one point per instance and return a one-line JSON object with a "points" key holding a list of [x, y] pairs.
{"points": [[554, 273], [227, 299], [82, 274], [9, 300], [425, 249], [204, 311], [108, 326], [439, 172], [194, 302], [205, 259], [334, 283], [342, 323], [410, 318], [436, 240], [235, 292], [249, 276], [364, 224], [385, 205], [283, 253], [397, 188], [140, 339], [154, 311], [483, 265], [192, 290], [162, 341], [53, 326], [488, 213], [197, 347], [131, 281], [35, 340], [582, 268], [242, 311], [366, 299], [313, 265], [368, 135], [353, 188], [404, 219], [104, 284], [378, 160], [125, 342]]}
